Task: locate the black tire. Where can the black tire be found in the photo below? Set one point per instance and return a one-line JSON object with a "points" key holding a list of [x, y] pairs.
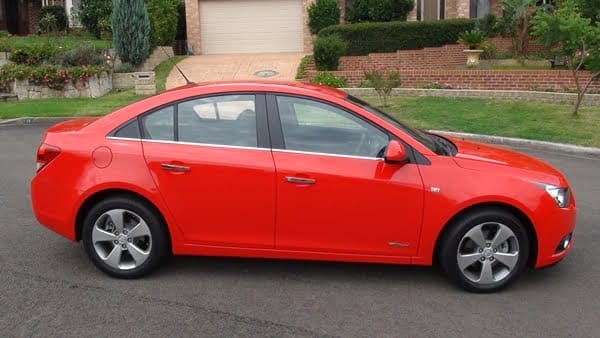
{"points": [[158, 250], [480, 219]]}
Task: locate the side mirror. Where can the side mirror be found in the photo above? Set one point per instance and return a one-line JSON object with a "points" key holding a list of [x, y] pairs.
{"points": [[396, 153]]}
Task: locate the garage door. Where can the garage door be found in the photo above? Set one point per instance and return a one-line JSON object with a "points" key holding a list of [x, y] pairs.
{"points": [[251, 26]]}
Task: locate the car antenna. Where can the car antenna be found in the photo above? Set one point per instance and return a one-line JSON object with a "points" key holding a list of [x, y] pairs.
{"points": [[176, 66]]}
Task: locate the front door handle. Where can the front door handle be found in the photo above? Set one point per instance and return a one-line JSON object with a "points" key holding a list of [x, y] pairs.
{"points": [[175, 168], [300, 180]]}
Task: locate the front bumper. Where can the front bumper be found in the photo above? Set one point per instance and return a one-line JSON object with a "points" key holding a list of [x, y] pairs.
{"points": [[552, 229]]}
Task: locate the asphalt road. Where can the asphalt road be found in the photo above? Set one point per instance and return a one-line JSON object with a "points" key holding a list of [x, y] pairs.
{"points": [[49, 288]]}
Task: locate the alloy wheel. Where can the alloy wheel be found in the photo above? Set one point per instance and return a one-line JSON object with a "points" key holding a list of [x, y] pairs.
{"points": [[122, 239], [488, 253]]}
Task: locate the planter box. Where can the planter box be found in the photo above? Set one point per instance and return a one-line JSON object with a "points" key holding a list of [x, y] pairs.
{"points": [[95, 86]]}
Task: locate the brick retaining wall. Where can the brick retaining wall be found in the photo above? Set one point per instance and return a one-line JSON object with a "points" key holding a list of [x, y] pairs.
{"points": [[444, 57], [567, 98], [541, 80]]}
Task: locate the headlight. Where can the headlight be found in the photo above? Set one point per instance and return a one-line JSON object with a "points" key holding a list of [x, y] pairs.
{"points": [[560, 195]]}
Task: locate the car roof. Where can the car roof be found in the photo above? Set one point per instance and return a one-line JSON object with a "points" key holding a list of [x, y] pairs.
{"points": [[264, 85]]}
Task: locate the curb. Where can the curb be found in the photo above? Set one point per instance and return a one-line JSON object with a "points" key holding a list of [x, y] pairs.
{"points": [[35, 120], [531, 144], [509, 141]]}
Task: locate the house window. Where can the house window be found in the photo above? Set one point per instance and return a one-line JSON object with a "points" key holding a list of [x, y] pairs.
{"points": [[479, 8], [430, 9]]}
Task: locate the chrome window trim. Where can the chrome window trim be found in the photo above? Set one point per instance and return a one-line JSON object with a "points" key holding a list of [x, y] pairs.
{"points": [[246, 148], [123, 138], [206, 144], [326, 154]]}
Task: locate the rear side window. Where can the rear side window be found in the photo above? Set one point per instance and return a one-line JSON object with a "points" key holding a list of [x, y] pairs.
{"points": [[223, 120], [129, 130], [158, 125]]}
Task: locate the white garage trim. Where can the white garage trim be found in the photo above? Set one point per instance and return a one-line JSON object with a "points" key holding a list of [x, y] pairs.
{"points": [[251, 26]]}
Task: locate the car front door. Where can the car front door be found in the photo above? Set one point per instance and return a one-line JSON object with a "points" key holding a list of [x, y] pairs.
{"points": [[213, 169], [335, 193]]}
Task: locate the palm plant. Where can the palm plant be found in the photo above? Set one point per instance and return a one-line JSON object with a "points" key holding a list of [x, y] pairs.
{"points": [[518, 15], [474, 39]]}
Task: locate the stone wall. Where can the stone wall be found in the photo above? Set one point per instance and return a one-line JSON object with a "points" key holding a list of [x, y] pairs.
{"points": [[567, 98], [123, 80], [160, 54], [95, 86]]}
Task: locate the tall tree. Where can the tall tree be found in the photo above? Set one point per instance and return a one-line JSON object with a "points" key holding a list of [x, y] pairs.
{"points": [[131, 31], [576, 38]]}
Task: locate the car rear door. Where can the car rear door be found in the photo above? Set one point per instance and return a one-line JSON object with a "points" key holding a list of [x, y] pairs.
{"points": [[335, 193], [211, 161]]}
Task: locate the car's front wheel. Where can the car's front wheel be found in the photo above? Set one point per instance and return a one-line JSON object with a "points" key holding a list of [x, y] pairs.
{"points": [[124, 237], [485, 250]]}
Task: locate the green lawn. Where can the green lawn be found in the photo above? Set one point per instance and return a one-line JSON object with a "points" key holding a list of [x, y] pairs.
{"points": [[522, 119], [68, 107], [67, 42], [163, 70]]}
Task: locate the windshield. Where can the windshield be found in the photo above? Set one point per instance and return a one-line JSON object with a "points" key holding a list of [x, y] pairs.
{"points": [[418, 135]]}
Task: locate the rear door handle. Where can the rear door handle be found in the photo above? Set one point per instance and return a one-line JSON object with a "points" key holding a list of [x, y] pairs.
{"points": [[300, 180], [175, 168]]}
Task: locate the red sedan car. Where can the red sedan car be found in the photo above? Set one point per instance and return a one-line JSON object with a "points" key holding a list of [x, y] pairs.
{"points": [[295, 171]]}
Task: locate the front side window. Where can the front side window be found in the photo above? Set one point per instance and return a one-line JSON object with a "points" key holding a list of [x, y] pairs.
{"points": [[224, 120], [313, 126]]}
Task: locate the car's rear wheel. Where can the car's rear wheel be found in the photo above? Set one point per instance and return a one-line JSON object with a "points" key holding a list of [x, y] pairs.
{"points": [[125, 237], [486, 250]]}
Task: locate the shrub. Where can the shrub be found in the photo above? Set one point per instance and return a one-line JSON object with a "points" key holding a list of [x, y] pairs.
{"points": [[3, 34], [365, 38], [131, 31], [60, 15], [124, 68], [301, 72], [323, 13], [92, 12], [383, 81], [474, 39], [163, 21], [488, 25], [435, 85], [33, 55], [81, 56], [379, 10], [328, 79], [328, 50], [48, 24]]}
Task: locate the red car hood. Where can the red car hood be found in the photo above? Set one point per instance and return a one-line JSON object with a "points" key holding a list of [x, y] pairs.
{"points": [[479, 156]]}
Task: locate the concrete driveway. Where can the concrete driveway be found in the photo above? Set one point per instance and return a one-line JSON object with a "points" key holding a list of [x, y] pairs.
{"points": [[204, 68]]}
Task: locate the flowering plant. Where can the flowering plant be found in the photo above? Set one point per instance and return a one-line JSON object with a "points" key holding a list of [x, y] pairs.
{"points": [[383, 81]]}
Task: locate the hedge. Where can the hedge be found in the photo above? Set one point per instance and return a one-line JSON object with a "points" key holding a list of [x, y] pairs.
{"points": [[380, 37]]}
